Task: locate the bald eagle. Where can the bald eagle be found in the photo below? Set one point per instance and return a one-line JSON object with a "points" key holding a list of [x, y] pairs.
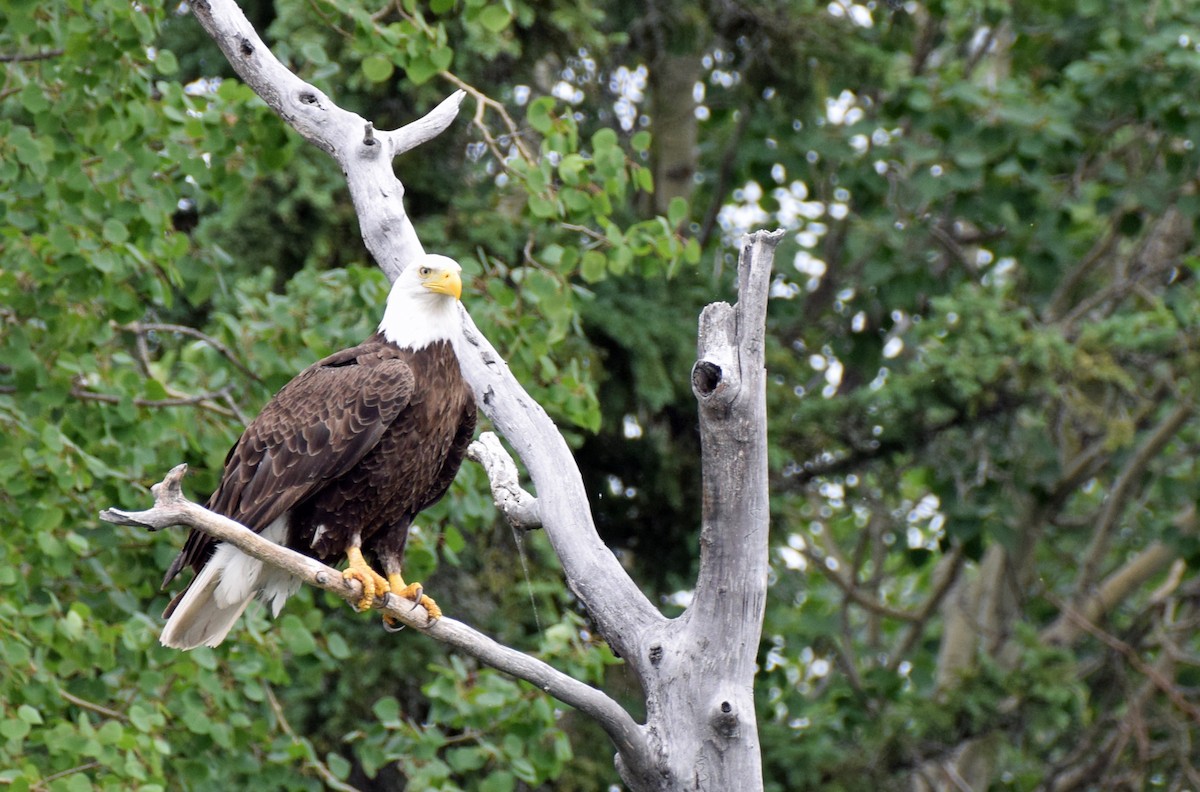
{"points": [[339, 463]]}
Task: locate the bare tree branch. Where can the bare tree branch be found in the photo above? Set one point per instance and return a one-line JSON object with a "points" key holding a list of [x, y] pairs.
{"points": [[1156, 677], [387, 230], [310, 759], [141, 329], [23, 57], [852, 592], [172, 508], [518, 506], [944, 578], [1125, 485], [1066, 629], [205, 400], [483, 103], [99, 709]]}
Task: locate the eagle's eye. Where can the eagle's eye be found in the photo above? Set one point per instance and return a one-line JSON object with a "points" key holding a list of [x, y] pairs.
{"points": [[424, 272]]}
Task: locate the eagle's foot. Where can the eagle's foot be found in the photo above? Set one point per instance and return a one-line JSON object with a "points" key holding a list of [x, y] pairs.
{"points": [[415, 593], [374, 585]]}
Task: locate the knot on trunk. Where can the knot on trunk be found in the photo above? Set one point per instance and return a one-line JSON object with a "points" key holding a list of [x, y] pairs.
{"points": [[724, 719]]}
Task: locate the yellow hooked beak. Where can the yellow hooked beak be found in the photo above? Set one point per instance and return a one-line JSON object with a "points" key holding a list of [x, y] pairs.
{"points": [[442, 282]]}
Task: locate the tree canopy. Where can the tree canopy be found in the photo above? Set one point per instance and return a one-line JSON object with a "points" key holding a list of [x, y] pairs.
{"points": [[980, 354]]}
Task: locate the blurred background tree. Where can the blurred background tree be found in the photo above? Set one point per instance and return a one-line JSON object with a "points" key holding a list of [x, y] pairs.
{"points": [[982, 357]]}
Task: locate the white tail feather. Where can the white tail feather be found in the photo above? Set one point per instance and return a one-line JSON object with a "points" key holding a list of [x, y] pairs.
{"points": [[222, 590]]}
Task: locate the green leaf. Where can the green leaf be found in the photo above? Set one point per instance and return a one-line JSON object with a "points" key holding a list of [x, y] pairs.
{"points": [[464, 760], [46, 518], [523, 769], [677, 211], [498, 781], [377, 68], [495, 17], [30, 715], [570, 168], [644, 179], [337, 646], [166, 62], [594, 266], [115, 231], [33, 99], [387, 710], [299, 638], [14, 728], [552, 255], [539, 115], [140, 717], [314, 53], [442, 58], [420, 70], [542, 208], [604, 140], [338, 765], [575, 200]]}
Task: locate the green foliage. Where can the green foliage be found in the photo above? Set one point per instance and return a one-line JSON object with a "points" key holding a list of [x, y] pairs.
{"points": [[984, 312]]}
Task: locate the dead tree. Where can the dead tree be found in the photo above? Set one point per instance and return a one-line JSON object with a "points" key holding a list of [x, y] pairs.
{"points": [[696, 670]]}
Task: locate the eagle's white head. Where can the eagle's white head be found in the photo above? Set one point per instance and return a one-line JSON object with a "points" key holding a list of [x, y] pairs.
{"points": [[422, 306]]}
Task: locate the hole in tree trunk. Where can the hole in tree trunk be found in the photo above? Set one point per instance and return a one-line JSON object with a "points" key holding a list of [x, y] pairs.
{"points": [[705, 377]]}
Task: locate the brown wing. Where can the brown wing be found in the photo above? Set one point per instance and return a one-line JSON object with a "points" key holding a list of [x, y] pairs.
{"points": [[315, 429]]}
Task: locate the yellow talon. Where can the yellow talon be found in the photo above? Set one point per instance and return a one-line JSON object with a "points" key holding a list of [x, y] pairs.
{"points": [[373, 584], [413, 592]]}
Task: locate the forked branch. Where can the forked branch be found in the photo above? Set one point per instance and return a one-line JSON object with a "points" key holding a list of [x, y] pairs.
{"points": [[518, 506]]}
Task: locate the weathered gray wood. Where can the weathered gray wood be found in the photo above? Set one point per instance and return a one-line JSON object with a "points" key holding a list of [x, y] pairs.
{"points": [[716, 640], [365, 153], [172, 508], [518, 506], [697, 670]]}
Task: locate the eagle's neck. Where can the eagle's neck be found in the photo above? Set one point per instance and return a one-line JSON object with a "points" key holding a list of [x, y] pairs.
{"points": [[414, 321]]}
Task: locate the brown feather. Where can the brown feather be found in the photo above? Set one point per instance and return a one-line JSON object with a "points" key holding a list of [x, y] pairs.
{"points": [[358, 443]]}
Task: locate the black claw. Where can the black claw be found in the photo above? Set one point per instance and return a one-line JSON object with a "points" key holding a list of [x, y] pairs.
{"points": [[392, 628], [420, 592]]}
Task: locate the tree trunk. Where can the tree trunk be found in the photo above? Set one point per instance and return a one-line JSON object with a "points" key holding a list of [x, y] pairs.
{"points": [[672, 81], [697, 670], [700, 689]]}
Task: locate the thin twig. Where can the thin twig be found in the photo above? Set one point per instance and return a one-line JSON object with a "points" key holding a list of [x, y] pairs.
{"points": [[99, 709], [204, 400], [482, 103], [141, 328], [45, 782], [1101, 247], [236, 409], [22, 57], [310, 759], [1131, 655], [1130, 478], [589, 232], [953, 564], [851, 590]]}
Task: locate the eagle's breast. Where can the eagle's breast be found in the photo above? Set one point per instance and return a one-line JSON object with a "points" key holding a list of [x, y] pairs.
{"points": [[410, 467]]}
